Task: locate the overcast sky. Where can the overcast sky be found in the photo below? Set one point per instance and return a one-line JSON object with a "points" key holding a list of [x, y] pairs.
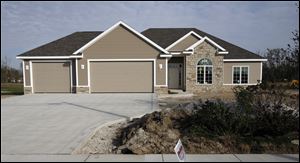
{"points": [[255, 26]]}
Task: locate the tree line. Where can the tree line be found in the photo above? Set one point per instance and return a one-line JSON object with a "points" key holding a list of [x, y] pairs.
{"points": [[283, 63], [10, 74]]}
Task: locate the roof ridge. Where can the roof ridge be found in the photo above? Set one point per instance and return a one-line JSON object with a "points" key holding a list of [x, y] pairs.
{"points": [[87, 31], [175, 28]]}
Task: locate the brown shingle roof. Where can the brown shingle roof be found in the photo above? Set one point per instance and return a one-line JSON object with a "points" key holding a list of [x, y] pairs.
{"points": [[65, 46], [166, 36], [162, 36]]}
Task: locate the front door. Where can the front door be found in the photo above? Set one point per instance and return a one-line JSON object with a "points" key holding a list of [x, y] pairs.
{"points": [[175, 75]]}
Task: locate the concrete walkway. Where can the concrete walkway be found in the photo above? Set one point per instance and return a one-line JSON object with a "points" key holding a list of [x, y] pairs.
{"points": [[153, 158]]}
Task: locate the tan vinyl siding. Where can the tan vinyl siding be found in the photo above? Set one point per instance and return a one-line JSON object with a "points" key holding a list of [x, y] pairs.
{"points": [[254, 71], [160, 73], [82, 73], [27, 73], [51, 77], [121, 76], [187, 42], [120, 44]]}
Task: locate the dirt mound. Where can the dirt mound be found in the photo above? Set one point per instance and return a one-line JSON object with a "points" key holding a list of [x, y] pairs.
{"points": [[159, 132], [153, 133]]}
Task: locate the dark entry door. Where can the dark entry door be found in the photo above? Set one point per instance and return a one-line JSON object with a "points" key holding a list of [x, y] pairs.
{"points": [[175, 75]]}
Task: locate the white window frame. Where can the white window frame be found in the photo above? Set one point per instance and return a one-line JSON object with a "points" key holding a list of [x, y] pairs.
{"points": [[212, 71], [240, 69]]}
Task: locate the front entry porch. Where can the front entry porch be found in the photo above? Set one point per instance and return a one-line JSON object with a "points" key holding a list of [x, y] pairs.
{"points": [[176, 73]]}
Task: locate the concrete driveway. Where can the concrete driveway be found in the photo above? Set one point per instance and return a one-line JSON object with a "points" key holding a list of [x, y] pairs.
{"points": [[57, 123]]}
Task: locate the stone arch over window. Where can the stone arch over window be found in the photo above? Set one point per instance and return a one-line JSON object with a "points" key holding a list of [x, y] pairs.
{"points": [[204, 71]]}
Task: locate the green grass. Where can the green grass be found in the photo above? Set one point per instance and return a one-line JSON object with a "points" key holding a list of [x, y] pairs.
{"points": [[12, 89]]}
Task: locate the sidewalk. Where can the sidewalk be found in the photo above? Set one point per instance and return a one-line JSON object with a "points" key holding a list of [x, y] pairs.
{"points": [[153, 158]]}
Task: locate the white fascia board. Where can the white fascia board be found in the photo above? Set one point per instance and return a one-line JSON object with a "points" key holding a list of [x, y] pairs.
{"points": [[226, 52], [44, 57], [78, 56], [187, 52], [192, 47], [109, 60], [182, 38], [145, 38], [209, 40], [214, 43], [80, 50], [242, 84], [247, 60], [166, 56], [111, 29], [175, 53]]}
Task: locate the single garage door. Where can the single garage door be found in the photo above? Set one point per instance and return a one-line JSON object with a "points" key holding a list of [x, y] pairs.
{"points": [[51, 77], [121, 76]]}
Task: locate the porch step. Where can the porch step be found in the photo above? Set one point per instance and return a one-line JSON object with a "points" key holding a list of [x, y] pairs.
{"points": [[176, 94], [175, 91]]}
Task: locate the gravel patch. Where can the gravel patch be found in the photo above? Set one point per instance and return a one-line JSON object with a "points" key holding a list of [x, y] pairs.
{"points": [[101, 141]]}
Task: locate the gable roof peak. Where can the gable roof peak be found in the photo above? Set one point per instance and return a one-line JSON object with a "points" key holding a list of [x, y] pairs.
{"points": [[80, 50]]}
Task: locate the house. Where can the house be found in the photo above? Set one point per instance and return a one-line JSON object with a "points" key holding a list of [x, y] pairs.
{"points": [[121, 59]]}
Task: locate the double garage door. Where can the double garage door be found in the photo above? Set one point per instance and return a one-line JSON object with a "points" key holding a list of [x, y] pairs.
{"points": [[121, 76], [104, 77]]}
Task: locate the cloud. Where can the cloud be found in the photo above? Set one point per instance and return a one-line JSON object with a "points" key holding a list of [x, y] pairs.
{"points": [[253, 25]]}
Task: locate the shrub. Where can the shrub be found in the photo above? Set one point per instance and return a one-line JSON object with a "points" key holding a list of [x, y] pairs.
{"points": [[275, 122], [266, 104], [258, 113], [216, 119], [244, 99]]}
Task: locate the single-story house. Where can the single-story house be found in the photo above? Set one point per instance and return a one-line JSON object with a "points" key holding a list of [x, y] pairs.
{"points": [[121, 59]]}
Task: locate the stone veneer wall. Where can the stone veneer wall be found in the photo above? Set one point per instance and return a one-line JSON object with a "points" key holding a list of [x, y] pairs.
{"points": [[205, 50], [161, 90]]}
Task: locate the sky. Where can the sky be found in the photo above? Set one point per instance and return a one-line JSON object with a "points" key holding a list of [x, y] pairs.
{"points": [[254, 26]]}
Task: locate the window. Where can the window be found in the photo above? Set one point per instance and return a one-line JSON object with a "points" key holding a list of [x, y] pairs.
{"points": [[240, 74], [204, 71]]}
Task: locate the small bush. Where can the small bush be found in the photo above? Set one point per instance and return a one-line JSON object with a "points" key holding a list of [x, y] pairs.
{"points": [[216, 119], [244, 99]]}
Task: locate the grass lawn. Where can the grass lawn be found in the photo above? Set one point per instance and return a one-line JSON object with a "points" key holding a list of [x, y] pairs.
{"points": [[12, 89]]}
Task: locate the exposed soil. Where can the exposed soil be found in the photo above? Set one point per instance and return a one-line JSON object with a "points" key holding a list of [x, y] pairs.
{"points": [[159, 132]]}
